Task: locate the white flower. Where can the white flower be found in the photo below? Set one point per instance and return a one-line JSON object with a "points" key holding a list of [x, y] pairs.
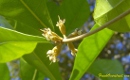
{"points": [[61, 22], [52, 54]]}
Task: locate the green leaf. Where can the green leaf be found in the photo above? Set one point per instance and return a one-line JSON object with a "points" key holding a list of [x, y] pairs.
{"points": [[4, 72], [26, 14], [39, 59], [39, 76], [14, 44], [88, 50], [28, 72], [9, 35], [25, 69], [76, 12], [106, 10], [102, 67]]}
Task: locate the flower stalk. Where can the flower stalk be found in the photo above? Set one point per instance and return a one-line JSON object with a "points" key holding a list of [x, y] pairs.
{"points": [[53, 37], [76, 35]]}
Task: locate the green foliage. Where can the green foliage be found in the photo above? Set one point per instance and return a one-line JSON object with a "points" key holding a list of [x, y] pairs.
{"points": [[16, 44], [4, 72], [75, 13], [38, 59], [20, 36], [29, 72], [111, 9], [27, 16], [88, 50], [103, 67]]}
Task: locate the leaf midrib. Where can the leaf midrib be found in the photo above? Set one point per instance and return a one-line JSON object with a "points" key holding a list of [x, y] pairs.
{"points": [[44, 65], [37, 18]]}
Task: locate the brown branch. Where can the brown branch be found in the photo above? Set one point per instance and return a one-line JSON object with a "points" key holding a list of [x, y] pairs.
{"points": [[98, 29]]}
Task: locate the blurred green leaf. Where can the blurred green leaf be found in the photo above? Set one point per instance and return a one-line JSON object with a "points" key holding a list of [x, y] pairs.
{"points": [[9, 35], [102, 67], [88, 50], [4, 72], [25, 69], [14, 44], [106, 10], [39, 76], [39, 59], [29, 72], [76, 12], [26, 14]]}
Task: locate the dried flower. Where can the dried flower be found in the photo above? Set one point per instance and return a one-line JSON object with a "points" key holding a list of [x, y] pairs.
{"points": [[50, 35], [76, 32], [52, 54], [71, 47], [61, 26], [62, 29], [73, 52]]}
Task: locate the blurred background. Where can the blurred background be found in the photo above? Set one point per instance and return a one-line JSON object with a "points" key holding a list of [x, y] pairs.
{"points": [[117, 48]]}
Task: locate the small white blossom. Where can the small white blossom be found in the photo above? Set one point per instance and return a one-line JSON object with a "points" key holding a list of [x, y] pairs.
{"points": [[61, 22], [52, 54]]}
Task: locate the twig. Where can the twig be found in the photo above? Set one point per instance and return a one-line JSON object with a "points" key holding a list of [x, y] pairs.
{"points": [[98, 29]]}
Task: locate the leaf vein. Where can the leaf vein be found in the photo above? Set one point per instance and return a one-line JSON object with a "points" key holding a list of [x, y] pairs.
{"points": [[37, 18]]}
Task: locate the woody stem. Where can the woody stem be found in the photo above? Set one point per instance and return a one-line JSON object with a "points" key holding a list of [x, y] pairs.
{"points": [[98, 29]]}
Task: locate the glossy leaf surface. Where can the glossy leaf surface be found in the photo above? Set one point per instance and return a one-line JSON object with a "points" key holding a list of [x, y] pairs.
{"points": [[88, 50], [106, 10], [14, 44], [26, 16]]}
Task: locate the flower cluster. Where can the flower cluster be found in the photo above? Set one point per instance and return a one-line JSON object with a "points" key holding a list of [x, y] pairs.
{"points": [[52, 54], [52, 36]]}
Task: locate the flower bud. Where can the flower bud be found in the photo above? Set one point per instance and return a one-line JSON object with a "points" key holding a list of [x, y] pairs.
{"points": [[71, 47], [61, 26]]}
